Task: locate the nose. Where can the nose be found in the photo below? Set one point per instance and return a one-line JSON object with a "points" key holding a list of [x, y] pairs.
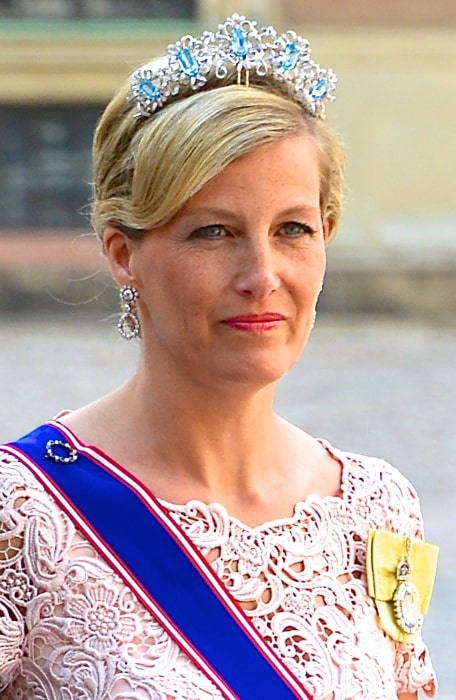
{"points": [[258, 274]]}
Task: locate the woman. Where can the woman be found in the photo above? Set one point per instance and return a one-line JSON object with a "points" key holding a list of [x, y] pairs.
{"points": [[217, 187]]}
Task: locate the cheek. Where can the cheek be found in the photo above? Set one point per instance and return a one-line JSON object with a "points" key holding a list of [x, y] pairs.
{"points": [[182, 289], [320, 265], [311, 275]]}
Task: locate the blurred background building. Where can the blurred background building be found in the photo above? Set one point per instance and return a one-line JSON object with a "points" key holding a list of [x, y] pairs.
{"points": [[61, 60]]}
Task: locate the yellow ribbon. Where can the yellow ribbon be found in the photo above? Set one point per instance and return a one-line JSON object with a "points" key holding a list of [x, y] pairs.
{"points": [[385, 552]]}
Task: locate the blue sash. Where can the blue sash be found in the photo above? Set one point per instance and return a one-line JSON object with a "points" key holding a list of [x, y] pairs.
{"points": [[159, 563]]}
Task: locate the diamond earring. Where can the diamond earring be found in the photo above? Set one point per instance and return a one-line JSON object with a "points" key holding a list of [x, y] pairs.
{"points": [[128, 324]]}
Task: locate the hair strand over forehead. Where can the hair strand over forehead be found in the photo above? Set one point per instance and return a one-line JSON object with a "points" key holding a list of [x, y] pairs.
{"points": [[145, 170]]}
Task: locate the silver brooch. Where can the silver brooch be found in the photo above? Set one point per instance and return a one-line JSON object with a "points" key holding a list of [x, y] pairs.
{"points": [[61, 452]]}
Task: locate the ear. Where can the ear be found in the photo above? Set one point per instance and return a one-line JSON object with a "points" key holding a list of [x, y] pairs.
{"points": [[118, 249], [326, 230]]}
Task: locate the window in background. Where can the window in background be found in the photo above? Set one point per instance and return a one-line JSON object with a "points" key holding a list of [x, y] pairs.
{"points": [[45, 165], [95, 9]]}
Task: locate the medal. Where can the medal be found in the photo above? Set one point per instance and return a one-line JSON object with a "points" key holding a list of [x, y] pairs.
{"points": [[406, 598]]}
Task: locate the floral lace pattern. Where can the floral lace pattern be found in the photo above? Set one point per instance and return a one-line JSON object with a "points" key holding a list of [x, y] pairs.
{"points": [[71, 630]]}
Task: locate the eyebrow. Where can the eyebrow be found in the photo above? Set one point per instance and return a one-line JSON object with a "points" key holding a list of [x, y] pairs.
{"points": [[222, 213]]}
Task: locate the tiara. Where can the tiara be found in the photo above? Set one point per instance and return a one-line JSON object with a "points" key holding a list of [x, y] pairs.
{"points": [[238, 45]]}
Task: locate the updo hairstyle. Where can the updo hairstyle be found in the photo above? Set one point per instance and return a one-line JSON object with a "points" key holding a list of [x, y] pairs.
{"points": [[146, 168]]}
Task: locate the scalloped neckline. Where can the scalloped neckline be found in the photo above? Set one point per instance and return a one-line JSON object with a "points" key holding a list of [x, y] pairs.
{"points": [[284, 521]]}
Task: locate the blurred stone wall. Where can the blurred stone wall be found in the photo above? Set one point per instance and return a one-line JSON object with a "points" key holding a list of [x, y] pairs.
{"points": [[392, 13], [331, 13]]}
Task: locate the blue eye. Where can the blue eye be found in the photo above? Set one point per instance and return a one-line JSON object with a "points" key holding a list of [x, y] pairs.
{"points": [[294, 229], [212, 232]]}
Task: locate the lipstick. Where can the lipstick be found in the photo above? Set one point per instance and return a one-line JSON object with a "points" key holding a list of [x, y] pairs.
{"points": [[255, 323]]}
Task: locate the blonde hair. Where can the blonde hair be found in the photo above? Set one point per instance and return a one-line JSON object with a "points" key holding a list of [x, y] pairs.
{"points": [[146, 169]]}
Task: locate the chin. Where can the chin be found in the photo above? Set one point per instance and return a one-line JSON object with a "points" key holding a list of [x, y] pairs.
{"points": [[257, 373]]}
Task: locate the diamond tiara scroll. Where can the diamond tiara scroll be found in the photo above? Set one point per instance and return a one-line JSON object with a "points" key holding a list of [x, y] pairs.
{"points": [[238, 45]]}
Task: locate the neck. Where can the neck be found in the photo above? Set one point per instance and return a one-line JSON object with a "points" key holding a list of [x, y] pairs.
{"points": [[218, 439], [187, 441]]}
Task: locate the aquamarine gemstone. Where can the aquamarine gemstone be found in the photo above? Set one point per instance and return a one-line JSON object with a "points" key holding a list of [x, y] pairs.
{"points": [[148, 89], [291, 56], [239, 42], [188, 62], [319, 90]]}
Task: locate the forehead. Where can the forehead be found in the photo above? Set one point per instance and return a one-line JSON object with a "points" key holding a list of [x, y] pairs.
{"points": [[288, 167]]}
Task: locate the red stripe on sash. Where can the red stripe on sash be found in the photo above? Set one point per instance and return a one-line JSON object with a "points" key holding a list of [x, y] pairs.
{"points": [[161, 515]]}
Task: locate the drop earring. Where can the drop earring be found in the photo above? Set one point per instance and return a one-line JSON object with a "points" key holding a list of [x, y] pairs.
{"points": [[128, 324]]}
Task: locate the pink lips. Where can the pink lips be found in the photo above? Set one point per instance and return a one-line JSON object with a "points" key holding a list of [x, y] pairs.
{"points": [[255, 323]]}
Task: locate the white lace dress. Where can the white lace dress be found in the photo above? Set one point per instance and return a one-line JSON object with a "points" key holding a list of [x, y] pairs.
{"points": [[71, 630]]}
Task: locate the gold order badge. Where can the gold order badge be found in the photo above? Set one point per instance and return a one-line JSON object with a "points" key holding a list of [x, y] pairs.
{"points": [[406, 598]]}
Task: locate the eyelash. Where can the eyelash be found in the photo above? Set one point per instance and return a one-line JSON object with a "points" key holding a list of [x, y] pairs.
{"points": [[302, 228], [205, 231]]}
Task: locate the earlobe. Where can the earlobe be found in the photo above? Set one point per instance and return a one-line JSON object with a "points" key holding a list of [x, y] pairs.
{"points": [[118, 250]]}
